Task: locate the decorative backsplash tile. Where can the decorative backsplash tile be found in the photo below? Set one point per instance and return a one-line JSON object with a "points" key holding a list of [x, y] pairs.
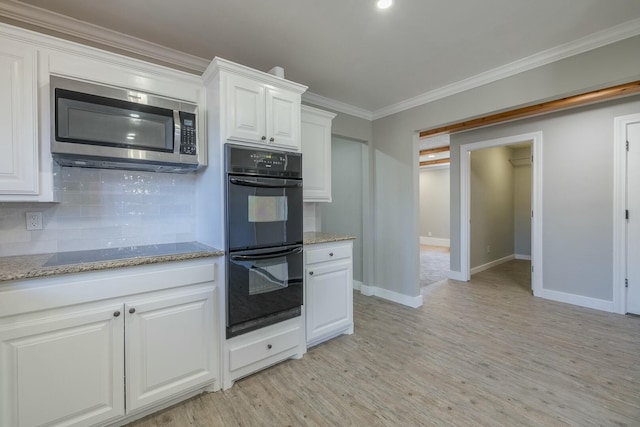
{"points": [[101, 209]]}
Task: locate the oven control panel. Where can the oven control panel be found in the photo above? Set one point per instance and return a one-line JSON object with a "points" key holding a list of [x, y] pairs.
{"points": [[248, 160]]}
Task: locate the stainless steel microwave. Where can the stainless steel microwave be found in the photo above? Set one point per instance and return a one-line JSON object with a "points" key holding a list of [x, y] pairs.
{"points": [[113, 128]]}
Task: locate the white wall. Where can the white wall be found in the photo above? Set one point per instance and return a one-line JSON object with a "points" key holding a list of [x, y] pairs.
{"points": [[434, 202], [394, 150], [102, 209], [492, 205]]}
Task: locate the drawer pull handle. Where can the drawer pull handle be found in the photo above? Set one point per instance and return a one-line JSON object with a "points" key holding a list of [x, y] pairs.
{"points": [[271, 139], [269, 346], [132, 310], [263, 137], [116, 313], [311, 273], [330, 253]]}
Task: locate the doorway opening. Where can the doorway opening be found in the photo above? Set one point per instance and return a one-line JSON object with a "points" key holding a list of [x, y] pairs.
{"points": [[483, 220], [434, 209]]}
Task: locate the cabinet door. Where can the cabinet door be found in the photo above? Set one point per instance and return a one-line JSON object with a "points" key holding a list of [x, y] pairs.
{"points": [[283, 119], [316, 157], [329, 299], [245, 109], [170, 346], [19, 173], [63, 370]]}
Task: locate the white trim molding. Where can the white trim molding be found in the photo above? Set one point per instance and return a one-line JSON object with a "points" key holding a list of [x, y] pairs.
{"points": [[413, 302], [332, 104], [619, 206], [435, 241], [457, 275], [536, 139], [582, 301], [523, 257], [492, 264]]}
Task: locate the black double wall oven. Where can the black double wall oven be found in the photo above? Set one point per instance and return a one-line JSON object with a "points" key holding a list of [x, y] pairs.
{"points": [[264, 238]]}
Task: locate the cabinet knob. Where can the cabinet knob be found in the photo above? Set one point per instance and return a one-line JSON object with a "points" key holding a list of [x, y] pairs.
{"points": [[330, 253], [263, 137], [116, 313], [311, 273], [271, 139], [269, 346], [132, 310]]}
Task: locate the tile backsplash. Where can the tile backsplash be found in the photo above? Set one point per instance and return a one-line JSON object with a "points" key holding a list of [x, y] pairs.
{"points": [[311, 218], [104, 208]]}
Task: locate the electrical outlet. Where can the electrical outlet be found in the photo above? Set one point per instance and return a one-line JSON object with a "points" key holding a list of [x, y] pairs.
{"points": [[488, 249], [34, 220], [429, 234]]}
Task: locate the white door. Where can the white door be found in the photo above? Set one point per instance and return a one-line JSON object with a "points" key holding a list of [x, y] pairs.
{"points": [[245, 109], [329, 298], [170, 346], [63, 369], [633, 223], [283, 119]]}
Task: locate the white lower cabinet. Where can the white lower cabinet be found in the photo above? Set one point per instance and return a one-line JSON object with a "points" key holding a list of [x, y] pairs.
{"points": [[328, 291], [66, 364], [256, 350], [63, 369], [169, 346]]}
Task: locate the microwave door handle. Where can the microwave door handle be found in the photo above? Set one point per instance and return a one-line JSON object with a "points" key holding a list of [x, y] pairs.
{"points": [[265, 256], [177, 132], [262, 184]]}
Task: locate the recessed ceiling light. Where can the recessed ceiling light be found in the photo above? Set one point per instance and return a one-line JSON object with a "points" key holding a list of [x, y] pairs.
{"points": [[384, 4], [431, 156]]}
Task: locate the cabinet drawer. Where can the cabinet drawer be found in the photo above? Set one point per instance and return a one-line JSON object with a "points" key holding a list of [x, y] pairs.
{"points": [[328, 253], [263, 348]]}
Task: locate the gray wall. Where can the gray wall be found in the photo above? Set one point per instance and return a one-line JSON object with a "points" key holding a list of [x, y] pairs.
{"points": [[492, 205], [577, 201], [434, 202], [344, 214], [395, 154], [522, 202]]}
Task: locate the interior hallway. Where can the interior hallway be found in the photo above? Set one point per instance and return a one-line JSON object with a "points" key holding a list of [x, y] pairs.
{"points": [[482, 353], [434, 264]]}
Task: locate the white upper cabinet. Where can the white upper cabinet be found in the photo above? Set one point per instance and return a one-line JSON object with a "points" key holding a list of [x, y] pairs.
{"points": [[316, 154], [250, 106], [19, 162]]}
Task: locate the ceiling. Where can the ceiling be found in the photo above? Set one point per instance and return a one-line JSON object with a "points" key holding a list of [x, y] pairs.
{"points": [[351, 52]]}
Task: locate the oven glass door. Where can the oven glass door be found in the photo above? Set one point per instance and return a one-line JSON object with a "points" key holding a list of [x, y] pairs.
{"points": [[262, 283], [263, 212], [96, 120]]}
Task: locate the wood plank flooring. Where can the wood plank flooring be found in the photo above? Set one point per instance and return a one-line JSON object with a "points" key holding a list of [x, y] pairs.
{"points": [[483, 353]]}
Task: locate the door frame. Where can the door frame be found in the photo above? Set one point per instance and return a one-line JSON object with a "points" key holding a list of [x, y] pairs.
{"points": [[619, 207], [536, 203]]}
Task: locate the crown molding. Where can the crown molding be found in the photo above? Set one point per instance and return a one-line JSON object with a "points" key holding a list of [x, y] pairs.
{"points": [[332, 104], [66, 25], [602, 38]]}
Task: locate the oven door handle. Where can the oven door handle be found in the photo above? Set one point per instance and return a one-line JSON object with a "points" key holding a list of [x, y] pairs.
{"points": [[266, 256], [262, 184]]}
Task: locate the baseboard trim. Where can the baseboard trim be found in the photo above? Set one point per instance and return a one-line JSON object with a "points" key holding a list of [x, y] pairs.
{"points": [[457, 275], [413, 302], [523, 257], [435, 241], [357, 285], [491, 264], [582, 301]]}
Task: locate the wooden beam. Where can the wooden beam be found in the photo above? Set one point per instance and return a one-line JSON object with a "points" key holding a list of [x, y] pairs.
{"points": [[434, 162], [434, 150], [534, 110]]}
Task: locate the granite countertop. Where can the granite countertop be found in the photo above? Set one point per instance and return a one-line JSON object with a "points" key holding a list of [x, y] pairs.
{"points": [[31, 266], [311, 238]]}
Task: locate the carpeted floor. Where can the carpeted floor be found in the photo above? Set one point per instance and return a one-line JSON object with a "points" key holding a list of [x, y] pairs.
{"points": [[434, 264]]}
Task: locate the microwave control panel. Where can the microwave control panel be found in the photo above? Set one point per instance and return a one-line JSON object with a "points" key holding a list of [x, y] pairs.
{"points": [[187, 133]]}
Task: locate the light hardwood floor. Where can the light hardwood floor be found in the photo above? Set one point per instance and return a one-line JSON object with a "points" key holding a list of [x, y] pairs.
{"points": [[484, 353]]}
